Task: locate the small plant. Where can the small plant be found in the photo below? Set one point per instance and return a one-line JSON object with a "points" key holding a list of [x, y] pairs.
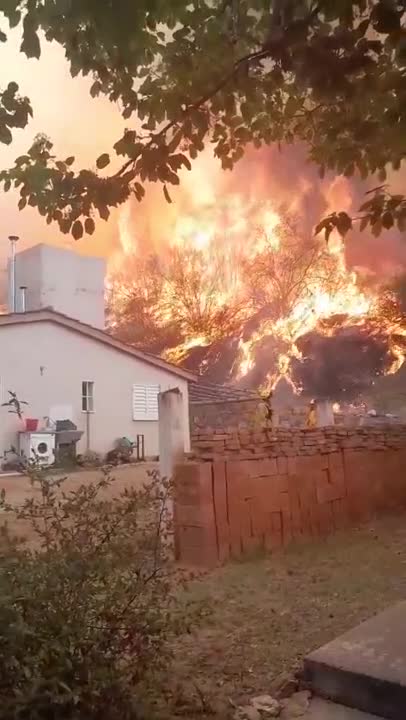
{"points": [[89, 459], [87, 607], [14, 404]]}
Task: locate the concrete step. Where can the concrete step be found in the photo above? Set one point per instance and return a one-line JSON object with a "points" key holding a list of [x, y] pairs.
{"points": [[365, 668], [324, 710]]}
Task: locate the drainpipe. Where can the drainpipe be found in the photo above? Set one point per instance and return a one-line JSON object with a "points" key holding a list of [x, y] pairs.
{"points": [[13, 240], [23, 298]]}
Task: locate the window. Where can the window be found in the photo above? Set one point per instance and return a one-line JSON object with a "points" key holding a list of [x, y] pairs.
{"points": [[145, 402], [87, 396]]}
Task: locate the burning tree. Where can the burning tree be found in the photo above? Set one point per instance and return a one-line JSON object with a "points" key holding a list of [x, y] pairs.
{"points": [[288, 268], [236, 306], [134, 306], [196, 294]]}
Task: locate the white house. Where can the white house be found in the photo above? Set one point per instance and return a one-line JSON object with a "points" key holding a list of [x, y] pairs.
{"points": [[65, 368]]}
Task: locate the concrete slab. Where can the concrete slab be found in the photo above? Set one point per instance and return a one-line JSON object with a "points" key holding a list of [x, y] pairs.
{"points": [[366, 667], [323, 710]]}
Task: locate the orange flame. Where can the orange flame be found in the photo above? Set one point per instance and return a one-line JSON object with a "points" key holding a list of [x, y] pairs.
{"points": [[222, 246]]}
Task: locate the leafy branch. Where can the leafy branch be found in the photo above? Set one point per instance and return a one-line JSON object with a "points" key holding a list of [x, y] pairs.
{"points": [[382, 210], [330, 74], [14, 404]]}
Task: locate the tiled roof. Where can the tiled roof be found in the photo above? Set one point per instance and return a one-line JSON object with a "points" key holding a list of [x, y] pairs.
{"points": [[209, 392]]}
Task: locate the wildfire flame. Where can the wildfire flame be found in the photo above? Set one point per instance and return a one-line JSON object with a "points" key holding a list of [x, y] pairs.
{"points": [[237, 261]]}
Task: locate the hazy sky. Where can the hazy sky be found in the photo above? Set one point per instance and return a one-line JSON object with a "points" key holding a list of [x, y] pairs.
{"points": [[85, 127], [77, 124]]}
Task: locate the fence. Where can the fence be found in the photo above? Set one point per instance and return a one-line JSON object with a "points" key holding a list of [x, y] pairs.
{"points": [[241, 491]]}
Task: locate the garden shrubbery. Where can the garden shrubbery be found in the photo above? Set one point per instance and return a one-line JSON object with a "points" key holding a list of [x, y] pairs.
{"points": [[88, 608]]}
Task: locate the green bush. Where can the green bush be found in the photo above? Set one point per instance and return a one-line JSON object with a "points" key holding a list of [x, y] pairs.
{"points": [[87, 608]]}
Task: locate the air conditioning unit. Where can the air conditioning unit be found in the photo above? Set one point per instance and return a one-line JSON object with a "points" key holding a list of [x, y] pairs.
{"points": [[38, 447]]}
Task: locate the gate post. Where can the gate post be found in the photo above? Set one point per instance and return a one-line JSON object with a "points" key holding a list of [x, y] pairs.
{"points": [[171, 431]]}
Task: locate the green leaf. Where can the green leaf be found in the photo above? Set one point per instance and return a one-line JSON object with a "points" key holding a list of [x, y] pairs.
{"points": [[30, 45], [22, 203], [364, 222], [70, 160], [96, 89], [387, 220], [167, 196], [104, 212], [77, 230], [7, 185], [127, 112], [65, 225], [3, 36], [89, 226], [376, 228], [5, 134], [14, 17], [103, 161], [185, 161], [343, 223]]}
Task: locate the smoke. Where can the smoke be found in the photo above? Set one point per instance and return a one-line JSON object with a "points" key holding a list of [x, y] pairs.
{"points": [[282, 177], [343, 366]]}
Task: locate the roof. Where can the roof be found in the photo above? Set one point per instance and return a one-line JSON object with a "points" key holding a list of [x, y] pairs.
{"points": [[202, 392], [51, 316]]}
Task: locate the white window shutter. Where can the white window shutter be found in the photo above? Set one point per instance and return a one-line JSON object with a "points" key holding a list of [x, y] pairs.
{"points": [[145, 402]]}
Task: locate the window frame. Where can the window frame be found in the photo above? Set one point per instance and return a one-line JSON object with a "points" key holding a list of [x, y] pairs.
{"points": [[87, 396]]}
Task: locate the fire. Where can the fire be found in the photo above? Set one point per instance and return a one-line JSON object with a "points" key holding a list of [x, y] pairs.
{"points": [[236, 268]]}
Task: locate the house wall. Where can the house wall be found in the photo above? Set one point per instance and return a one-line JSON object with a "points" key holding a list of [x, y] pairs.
{"points": [[265, 490], [45, 365]]}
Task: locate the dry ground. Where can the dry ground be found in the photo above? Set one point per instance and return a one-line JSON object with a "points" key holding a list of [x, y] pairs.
{"points": [[18, 488], [264, 614]]}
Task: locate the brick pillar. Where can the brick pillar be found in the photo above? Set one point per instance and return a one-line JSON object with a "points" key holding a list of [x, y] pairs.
{"points": [[194, 517]]}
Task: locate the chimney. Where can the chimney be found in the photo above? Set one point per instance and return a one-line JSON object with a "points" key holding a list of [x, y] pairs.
{"points": [[13, 240], [23, 298]]}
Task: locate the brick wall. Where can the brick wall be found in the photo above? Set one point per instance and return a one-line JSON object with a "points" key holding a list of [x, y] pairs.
{"points": [[248, 490]]}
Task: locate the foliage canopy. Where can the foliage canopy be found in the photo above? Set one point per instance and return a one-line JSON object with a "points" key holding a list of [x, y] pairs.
{"points": [[229, 73]]}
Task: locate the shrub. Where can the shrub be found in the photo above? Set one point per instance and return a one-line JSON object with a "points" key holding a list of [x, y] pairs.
{"points": [[87, 608]]}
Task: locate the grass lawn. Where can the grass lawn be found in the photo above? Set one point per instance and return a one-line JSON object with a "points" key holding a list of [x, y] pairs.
{"points": [[265, 613]]}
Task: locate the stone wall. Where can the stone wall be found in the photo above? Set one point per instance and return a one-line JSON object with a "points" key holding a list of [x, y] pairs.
{"points": [[235, 415], [221, 444], [243, 491]]}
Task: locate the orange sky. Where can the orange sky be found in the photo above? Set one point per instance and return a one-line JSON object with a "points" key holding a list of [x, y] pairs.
{"points": [[77, 124], [85, 127]]}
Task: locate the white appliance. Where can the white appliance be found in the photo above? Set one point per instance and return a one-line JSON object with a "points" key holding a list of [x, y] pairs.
{"points": [[38, 446]]}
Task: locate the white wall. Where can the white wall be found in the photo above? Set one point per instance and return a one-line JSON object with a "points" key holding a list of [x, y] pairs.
{"points": [[70, 283], [67, 358]]}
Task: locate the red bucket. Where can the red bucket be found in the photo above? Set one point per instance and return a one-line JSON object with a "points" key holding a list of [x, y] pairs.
{"points": [[31, 424]]}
